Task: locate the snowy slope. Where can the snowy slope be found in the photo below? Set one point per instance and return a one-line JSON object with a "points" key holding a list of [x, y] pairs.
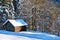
{"points": [[5, 35], [11, 37]]}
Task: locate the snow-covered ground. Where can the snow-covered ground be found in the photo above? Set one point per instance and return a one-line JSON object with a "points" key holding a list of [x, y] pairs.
{"points": [[5, 35]]}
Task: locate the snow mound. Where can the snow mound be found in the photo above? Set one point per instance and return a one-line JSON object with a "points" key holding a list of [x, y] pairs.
{"points": [[6, 35]]}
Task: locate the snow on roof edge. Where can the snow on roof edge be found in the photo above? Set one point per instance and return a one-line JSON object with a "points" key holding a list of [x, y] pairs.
{"points": [[5, 22], [11, 21]]}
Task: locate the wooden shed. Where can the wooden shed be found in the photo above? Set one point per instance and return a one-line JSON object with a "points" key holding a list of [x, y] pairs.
{"points": [[15, 25]]}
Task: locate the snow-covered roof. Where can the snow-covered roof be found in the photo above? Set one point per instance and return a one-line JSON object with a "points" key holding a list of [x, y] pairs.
{"points": [[16, 22]]}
